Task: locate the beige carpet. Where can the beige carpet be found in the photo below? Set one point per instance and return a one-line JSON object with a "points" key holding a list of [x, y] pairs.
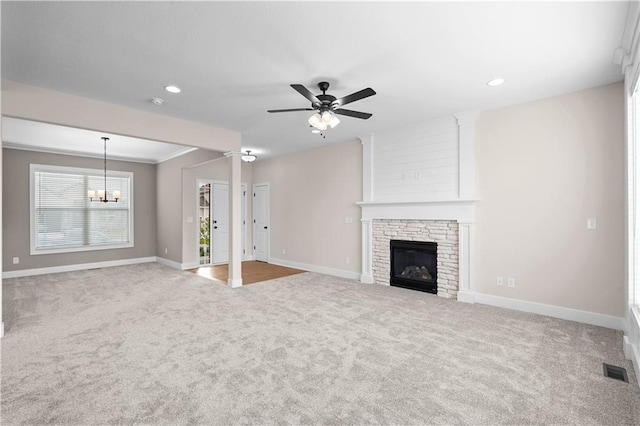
{"points": [[146, 344]]}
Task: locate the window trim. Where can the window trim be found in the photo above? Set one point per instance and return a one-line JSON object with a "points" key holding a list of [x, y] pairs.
{"points": [[33, 168]]}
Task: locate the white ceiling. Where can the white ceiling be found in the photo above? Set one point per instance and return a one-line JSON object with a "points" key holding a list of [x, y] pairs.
{"points": [[235, 60]]}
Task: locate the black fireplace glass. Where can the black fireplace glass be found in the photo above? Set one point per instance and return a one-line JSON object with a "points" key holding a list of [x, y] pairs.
{"points": [[414, 265]]}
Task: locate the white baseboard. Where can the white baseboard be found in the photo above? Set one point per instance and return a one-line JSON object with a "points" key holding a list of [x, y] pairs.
{"points": [[76, 267], [169, 263], [319, 269], [234, 283], [367, 279], [608, 321], [467, 297], [631, 343]]}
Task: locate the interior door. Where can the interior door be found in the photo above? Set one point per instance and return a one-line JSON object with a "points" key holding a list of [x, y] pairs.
{"points": [[220, 223], [261, 222]]}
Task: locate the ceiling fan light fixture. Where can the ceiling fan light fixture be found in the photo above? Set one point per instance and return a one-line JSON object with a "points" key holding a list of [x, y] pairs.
{"points": [[334, 121], [249, 157], [326, 116], [315, 119]]}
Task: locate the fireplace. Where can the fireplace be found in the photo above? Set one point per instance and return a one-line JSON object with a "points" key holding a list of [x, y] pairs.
{"points": [[414, 265]]}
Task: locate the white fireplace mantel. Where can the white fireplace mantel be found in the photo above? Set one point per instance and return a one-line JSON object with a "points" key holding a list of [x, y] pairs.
{"points": [[423, 174], [457, 209]]}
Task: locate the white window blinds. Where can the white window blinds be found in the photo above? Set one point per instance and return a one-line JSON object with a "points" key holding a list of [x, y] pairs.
{"points": [[63, 218]]}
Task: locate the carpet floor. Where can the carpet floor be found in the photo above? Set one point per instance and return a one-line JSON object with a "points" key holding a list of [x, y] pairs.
{"points": [[145, 344]]}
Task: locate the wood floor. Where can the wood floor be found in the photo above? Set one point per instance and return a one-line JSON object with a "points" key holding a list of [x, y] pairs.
{"points": [[252, 272]]}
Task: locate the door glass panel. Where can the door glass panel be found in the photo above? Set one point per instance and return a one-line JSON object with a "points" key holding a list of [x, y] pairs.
{"points": [[205, 224]]}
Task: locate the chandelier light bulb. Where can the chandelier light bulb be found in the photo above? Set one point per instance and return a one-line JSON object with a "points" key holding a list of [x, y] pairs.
{"points": [[326, 116], [334, 121]]}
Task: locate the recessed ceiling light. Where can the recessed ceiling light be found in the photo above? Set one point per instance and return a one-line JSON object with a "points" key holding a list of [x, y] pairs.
{"points": [[495, 82], [172, 89]]}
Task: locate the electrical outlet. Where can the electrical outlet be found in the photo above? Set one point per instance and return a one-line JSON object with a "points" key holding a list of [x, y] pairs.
{"points": [[166, 250], [346, 260], [499, 281], [16, 260], [348, 219], [284, 251], [511, 282]]}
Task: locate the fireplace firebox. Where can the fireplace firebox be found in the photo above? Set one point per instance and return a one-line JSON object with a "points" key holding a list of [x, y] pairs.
{"points": [[414, 265]]}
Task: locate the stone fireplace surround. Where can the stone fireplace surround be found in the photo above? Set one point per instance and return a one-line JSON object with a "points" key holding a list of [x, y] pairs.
{"points": [[449, 223], [443, 232]]}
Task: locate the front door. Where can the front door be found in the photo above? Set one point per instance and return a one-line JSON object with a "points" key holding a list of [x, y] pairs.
{"points": [[261, 222]]}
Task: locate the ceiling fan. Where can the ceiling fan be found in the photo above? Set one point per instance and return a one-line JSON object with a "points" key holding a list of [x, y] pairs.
{"points": [[328, 105]]}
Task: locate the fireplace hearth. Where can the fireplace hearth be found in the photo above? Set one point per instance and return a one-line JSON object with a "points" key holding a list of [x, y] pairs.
{"points": [[414, 265]]}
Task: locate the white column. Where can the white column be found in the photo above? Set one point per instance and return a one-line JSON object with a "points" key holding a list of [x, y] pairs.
{"points": [[466, 155], [235, 219], [367, 252], [467, 285]]}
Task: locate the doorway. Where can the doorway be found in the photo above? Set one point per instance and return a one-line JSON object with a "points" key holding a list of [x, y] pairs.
{"points": [[213, 221]]}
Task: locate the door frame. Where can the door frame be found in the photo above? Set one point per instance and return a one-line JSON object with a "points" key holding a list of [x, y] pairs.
{"points": [[254, 206], [205, 181]]}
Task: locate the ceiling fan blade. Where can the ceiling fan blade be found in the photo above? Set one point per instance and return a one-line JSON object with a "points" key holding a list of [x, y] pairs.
{"points": [[350, 113], [306, 93], [290, 110], [364, 93]]}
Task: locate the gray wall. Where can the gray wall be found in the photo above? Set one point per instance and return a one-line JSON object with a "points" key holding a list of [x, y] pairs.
{"points": [[15, 224]]}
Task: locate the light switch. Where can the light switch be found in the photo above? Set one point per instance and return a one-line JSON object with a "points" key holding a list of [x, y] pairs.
{"points": [[189, 219], [348, 219], [592, 223]]}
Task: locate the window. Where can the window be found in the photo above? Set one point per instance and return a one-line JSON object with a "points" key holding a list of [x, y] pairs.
{"points": [[63, 219]]}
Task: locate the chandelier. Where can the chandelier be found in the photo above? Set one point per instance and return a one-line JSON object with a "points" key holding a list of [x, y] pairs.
{"points": [[102, 195]]}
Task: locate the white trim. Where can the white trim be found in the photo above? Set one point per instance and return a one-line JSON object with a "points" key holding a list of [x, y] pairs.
{"points": [[631, 342], [169, 263], [234, 283], [367, 168], [76, 267], [174, 155], [466, 296], [466, 157], [455, 209], [2, 329], [592, 318], [319, 269], [367, 252]]}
